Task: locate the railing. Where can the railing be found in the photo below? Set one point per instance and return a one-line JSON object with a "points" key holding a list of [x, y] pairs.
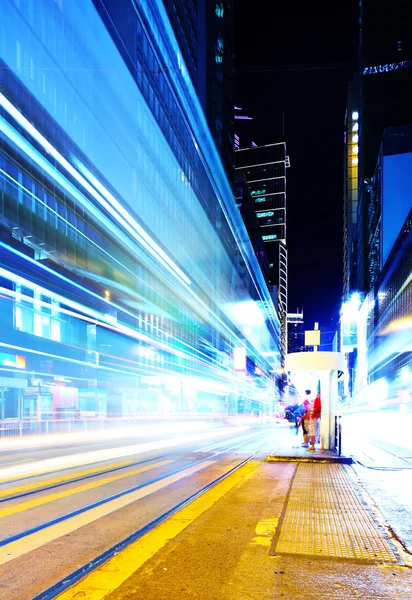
{"points": [[338, 434]]}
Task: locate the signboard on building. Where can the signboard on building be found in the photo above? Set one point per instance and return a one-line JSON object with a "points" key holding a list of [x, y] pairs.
{"points": [[312, 337], [12, 360]]}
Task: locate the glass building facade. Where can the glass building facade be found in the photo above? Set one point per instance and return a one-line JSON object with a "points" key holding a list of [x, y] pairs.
{"points": [[128, 282], [381, 357]]}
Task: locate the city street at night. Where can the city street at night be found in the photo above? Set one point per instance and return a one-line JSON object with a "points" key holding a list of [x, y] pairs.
{"points": [[205, 300], [64, 504], [111, 519]]}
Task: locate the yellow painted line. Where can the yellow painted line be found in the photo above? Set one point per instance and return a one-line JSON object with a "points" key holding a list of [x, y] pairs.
{"points": [[104, 580], [265, 531], [18, 508], [61, 479], [40, 538]]}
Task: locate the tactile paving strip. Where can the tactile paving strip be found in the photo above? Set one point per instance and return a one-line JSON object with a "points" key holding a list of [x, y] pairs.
{"points": [[325, 517]]}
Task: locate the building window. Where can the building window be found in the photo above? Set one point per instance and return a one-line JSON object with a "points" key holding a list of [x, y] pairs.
{"points": [[219, 10], [269, 213], [269, 237], [219, 51]]}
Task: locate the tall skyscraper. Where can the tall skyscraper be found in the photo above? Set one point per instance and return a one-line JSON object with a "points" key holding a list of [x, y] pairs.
{"points": [[377, 290], [351, 183], [384, 96], [215, 79], [264, 168]]}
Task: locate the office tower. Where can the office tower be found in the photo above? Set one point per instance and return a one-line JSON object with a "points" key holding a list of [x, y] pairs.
{"points": [[128, 281], [264, 168], [384, 96], [384, 352], [215, 80], [350, 203], [377, 302]]}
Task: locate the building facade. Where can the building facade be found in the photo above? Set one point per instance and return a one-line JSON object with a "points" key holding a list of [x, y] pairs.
{"points": [[384, 100], [350, 197], [264, 168], [376, 208], [215, 82], [128, 282]]}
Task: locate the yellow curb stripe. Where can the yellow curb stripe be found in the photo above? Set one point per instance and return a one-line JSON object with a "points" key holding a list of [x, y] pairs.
{"points": [[12, 510], [104, 580], [61, 479]]}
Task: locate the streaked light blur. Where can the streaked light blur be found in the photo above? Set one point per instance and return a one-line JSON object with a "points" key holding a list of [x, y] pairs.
{"points": [[127, 279]]}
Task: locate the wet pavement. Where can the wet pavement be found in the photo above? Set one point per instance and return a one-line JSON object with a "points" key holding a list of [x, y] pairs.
{"points": [[384, 469], [289, 529]]}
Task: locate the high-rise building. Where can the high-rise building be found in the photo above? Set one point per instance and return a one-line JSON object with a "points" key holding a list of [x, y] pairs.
{"points": [[264, 168], [384, 96], [128, 281], [384, 352], [246, 206], [215, 79], [377, 289], [350, 204]]}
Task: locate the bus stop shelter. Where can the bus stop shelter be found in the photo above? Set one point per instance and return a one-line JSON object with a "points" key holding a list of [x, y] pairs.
{"points": [[325, 367]]}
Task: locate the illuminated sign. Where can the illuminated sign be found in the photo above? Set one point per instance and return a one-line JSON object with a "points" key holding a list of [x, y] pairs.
{"points": [[312, 337], [11, 360]]}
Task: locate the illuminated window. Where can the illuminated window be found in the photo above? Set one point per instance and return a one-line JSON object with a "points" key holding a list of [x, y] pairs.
{"points": [[219, 51], [355, 115], [355, 138], [269, 237], [270, 213], [355, 127], [355, 149], [355, 160], [257, 192], [219, 10], [18, 320]]}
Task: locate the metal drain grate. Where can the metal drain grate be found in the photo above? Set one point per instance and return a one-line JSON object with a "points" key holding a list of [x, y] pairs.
{"points": [[325, 517]]}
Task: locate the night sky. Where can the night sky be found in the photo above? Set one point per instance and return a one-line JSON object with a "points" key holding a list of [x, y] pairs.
{"points": [[281, 50]]}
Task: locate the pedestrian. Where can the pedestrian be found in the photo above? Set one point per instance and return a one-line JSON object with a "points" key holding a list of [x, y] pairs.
{"points": [[317, 410], [304, 409], [309, 421]]}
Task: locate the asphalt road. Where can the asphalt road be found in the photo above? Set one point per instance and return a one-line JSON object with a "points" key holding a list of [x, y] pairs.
{"points": [[66, 500]]}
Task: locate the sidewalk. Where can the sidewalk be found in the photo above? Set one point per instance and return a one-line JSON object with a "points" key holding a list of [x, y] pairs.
{"points": [[289, 447], [285, 530]]}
